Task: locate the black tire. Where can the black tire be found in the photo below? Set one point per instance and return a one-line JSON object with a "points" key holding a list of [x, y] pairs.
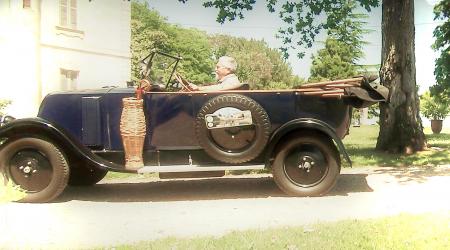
{"points": [[37, 166], [86, 175], [236, 144], [293, 157]]}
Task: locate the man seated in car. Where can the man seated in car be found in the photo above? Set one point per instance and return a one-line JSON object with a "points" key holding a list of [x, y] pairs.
{"points": [[226, 79]]}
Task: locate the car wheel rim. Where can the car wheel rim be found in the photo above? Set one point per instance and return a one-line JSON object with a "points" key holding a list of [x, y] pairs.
{"points": [[233, 140], [305, 165], [31, 170]]}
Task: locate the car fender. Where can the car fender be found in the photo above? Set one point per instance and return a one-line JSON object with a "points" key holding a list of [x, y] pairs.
{"points": [[304, 123], [41, 128]]}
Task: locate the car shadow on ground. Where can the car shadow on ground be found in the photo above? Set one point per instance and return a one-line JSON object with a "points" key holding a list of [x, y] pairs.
{"points": [[200, 189]]}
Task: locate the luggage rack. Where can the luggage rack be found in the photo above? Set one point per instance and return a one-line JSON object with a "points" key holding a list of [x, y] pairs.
{"points": [[331, 88]]}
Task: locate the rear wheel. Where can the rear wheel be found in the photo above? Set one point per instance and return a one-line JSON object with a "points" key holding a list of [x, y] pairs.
{"points": [[37, 166], [306, 165]]}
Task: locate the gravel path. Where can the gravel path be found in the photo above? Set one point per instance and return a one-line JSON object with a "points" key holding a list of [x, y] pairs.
{"points": [[115, 213]]}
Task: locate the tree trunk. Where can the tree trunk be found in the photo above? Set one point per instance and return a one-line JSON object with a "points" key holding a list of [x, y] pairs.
{"points": [[400, 124]]}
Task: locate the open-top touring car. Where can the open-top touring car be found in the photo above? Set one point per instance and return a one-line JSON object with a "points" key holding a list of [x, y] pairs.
{"points": [[77, 136]]}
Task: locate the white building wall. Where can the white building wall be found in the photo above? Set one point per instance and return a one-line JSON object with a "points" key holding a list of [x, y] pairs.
{"points": [[19, 50], [98, 49]]}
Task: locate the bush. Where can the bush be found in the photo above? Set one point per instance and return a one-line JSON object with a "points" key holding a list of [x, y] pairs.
{"points": [[433, 107]]}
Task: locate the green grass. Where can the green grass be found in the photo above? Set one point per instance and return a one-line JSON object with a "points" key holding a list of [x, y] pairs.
{"points": [[427, 231], [361, 141]]}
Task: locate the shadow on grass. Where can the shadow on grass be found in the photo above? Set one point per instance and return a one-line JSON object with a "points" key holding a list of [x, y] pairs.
{"points": [[371, 157], [200, 189], [364, 154], [439, 140]]}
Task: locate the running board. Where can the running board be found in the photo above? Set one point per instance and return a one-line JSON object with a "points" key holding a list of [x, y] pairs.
{"points": [[195, 168]]}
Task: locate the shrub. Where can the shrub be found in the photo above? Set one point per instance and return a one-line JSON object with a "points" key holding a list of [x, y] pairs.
{"points": [[433, 107]]}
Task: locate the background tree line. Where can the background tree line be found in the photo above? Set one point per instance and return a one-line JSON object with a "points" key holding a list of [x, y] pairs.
{"points": [[258, 65]]}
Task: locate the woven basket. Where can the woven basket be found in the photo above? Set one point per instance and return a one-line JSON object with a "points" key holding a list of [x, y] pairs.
{"points": [[132, 129]]}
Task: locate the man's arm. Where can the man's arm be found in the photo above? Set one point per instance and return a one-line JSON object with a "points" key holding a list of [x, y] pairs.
{"points": [[228, 84]]}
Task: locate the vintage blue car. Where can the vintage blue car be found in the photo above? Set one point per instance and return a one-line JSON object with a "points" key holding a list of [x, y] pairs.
{"points": [[78, 137]]}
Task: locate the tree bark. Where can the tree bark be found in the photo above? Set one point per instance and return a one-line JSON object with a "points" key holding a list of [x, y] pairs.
{"points": [[400, 124]]}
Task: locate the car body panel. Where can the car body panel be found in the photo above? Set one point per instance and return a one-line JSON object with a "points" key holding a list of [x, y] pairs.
{"points": [[170, 120], [170, 116]]}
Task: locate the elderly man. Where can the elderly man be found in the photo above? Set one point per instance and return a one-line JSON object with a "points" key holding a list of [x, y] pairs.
{"points": [[227, 80]]}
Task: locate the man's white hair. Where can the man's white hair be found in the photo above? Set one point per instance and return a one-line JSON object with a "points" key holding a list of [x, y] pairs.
{"points": [[228, 62]]}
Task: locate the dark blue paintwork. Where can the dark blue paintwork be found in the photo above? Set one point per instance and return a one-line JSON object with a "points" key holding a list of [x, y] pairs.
{"points": [[171, 116], [171, 119]]}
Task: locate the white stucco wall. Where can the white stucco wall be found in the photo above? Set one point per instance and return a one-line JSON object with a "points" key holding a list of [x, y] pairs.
{"points": [[36, 48], [19, 50]]}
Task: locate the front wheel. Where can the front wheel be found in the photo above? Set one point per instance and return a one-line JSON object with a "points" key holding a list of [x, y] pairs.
{"points": [[37, 166], [306, 165]]}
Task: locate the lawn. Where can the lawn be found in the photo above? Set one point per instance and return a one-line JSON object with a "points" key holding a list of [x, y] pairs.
{"points": [[360, 145], [361, 141], [426, 231]]}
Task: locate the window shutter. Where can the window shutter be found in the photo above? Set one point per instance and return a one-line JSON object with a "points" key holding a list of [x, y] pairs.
{"points": [[73, 13], [63, 13]]}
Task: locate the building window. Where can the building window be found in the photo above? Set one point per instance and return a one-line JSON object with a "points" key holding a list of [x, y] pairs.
{"points": [[26, 4], [68, 13], [68, 79]]}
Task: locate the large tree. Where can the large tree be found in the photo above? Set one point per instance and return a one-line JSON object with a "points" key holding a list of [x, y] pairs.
{"points": [[401, 128], [400, 124]]}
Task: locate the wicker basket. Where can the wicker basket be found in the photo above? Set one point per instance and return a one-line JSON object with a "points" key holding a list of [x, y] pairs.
{"points": [[132, 129]]}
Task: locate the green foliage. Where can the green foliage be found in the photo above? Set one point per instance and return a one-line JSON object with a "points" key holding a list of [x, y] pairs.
{"points": [[300, 17], [442, 45], [151, 31], [433, 107], [343, 48], [193, 45], [333, 62], [260, 66], [4, 104], [148, 31]]}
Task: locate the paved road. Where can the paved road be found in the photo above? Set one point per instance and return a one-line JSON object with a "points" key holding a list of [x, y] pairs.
{"points": [[115, 213]]}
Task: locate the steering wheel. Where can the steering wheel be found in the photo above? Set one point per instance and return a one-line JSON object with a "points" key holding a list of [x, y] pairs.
{"points": [[184, 84]]}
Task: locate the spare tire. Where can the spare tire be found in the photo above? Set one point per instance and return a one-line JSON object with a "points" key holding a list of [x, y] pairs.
{"points": [[230, 135]]}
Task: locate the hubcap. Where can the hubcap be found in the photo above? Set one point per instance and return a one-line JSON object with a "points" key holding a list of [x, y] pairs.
{"points": [[305, 165], [31, 170], [235, 139]]}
